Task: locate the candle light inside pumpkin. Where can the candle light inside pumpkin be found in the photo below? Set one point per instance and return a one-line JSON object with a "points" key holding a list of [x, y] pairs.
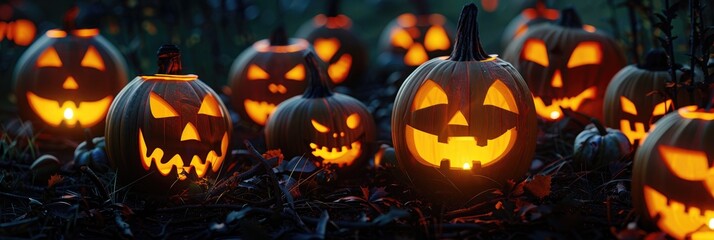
{"points": [[554, 115], [68, 113], [711, 224], [467, 166]]}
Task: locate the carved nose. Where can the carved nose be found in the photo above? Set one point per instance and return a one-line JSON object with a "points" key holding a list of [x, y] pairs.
{"points": [[557, 81], [458, 119], [70, 83], [416, 55], [189, 133], [277, 88]]}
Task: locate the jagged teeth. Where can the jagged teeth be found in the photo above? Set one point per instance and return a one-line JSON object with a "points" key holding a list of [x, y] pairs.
{"points": [[333, 150]]}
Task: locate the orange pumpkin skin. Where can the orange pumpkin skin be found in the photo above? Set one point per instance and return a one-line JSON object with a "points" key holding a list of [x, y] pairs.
{"points": [[472, 109], [630, 106], [673, 169], [167, 129], [66, 81], [327, 127], [335, 42], [566, 66], [266, 74]]}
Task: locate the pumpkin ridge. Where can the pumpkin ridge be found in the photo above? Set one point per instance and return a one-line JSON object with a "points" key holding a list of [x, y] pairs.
{"points": [[467, 46]]}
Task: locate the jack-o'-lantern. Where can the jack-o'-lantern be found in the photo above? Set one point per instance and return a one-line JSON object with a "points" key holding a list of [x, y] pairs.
{"points": [[15, 25], [168, 126], [630, 104], [566, 66], [330, 128], [673, 174], [529, 17], [412, 39], [67, 79], [337, 45], [458, 119], [266, 74]]}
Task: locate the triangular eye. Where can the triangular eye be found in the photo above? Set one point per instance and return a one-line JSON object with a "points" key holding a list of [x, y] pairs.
{"points": [[93, 59], [401, 38], [534, 50], [628, 106], [498, 95], [326, 48], [159, 107], [297, 73], [661, 108], [436, 39], [585, 53], [209, 106], [257, 73], [690, 165], [429, 94], [49, 58]]}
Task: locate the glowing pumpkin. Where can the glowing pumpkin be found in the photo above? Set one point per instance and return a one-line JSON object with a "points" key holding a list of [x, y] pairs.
{"points": [[458, 119], [630, 107], [566, 66], [66, 80], [167, 126], [673, 174], [412, 39], [529, 17], [337, 45], [267, 73], [15, 25], [330, 128]]}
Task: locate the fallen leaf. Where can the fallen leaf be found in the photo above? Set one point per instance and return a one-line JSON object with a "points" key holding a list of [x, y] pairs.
{"points": [[539, 186]]}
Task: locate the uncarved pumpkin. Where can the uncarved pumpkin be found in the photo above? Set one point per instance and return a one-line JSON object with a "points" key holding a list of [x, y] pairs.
{"points": [[635, 98], [166, 127], [566, 66], [597, 146], [266, 74], [673, 174], [67, 79], [327, 127], [335, 42], [464, 123]]}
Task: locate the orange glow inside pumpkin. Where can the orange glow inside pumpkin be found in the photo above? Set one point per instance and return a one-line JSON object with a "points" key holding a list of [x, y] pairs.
{"points": [[170, 77], [589, 28], [430, 151], [190, 133], [70, 83], [585, 53], [49, 58], [197, 164], [21, 31], [256, 73], [326, 48], [344, 155], [297, 73], [416, 55], [56, 33], [87, 114], [436, 39], [92, 59], [553, 110], [87, 32], [557, 81], [639, 128], [340, 21], [534, 50], [692, 112], [296, 46]]}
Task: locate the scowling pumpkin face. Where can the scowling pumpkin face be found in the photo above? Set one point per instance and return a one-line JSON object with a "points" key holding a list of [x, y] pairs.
{"points": [[266, 74], [169, 123], [673, 174], [566, 66], [331, 128], [66, 80]]}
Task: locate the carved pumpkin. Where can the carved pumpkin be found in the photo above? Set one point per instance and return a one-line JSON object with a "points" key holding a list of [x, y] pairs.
{"points": [[330, 128], [66, 80], [630, 107], [337, 45], [15, 25], [412, 39], [529, 17], [460, 118], [267, 73], [596, 146], [168, 126], [673, 174], [566, 66]]}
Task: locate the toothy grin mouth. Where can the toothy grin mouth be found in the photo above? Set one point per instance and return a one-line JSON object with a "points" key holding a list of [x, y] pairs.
{"points": [[676, 218], [87, 114], [637, 133], [258, 111], [553, 111], [340, 156], [197, 164]]}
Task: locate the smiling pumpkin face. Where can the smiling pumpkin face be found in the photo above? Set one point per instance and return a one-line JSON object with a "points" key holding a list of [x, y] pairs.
{"points": [[67, 80], [673, 174], [264, 76], [566, 66]]}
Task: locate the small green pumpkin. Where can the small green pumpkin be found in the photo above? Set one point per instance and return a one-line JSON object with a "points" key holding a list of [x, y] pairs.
{"points": [[596, 146]]}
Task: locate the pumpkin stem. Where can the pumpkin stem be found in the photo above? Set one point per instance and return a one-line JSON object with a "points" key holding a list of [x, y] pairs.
{"points": [[468, 44], [88, 137], [279, 37], [333, 8], [318, 84], [169, 59], [600, 128], [655, 60], [570, 18], [70, 19]]}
